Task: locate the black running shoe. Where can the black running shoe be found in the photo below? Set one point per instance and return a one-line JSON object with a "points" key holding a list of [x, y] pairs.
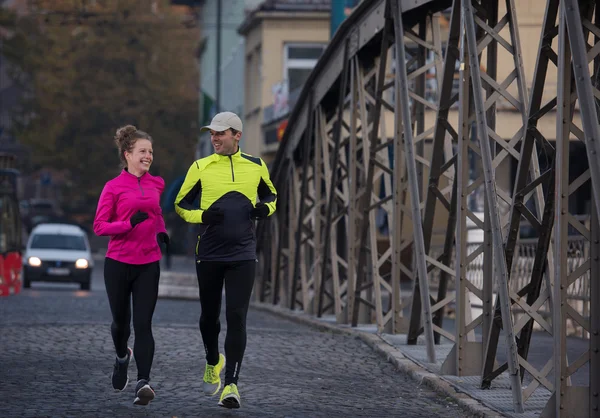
{"points": [[143, 393], [119, 375]]}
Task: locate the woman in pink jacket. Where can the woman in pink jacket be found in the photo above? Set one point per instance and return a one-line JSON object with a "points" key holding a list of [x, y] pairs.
{"points": [[129, 212]]}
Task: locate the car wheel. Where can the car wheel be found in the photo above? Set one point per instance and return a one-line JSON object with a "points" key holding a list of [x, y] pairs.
{"points": [[26, 281], [85, 285]]}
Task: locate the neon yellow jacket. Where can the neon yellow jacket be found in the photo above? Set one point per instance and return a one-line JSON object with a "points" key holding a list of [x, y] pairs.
{"points": [[231, 183]]}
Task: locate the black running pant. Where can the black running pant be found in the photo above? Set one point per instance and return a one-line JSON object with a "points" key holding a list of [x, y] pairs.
{"points": [[239, 279], [140, 281]]}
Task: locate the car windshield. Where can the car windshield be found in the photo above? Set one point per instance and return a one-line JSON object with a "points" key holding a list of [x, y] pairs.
{"points": [[58, 242]]}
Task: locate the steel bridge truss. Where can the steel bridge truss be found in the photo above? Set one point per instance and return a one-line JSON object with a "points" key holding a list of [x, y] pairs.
{"points": [[381, 148]]}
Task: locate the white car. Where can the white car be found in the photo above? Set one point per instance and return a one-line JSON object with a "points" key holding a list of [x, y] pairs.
{"points": [[58, 253]]}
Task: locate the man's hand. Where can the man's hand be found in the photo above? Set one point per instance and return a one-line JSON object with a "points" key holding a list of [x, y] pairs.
{"points": [[260, 211], [212, 216], [138, 217]]}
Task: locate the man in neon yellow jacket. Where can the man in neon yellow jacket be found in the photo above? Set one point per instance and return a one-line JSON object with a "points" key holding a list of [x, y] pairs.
{"points": [[228, 184]]}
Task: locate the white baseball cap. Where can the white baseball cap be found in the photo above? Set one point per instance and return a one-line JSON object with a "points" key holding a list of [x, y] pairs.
{"points": [[223, 121]]}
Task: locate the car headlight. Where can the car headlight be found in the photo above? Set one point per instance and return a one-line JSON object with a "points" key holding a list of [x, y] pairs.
{"points": [[34, 261], [81, 263]]}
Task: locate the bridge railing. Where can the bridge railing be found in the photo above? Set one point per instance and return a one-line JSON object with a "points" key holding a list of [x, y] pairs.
{"points": [[367, 146]]}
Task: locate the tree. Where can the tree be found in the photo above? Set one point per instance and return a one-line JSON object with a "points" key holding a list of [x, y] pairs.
{"points": [[90, 68]]}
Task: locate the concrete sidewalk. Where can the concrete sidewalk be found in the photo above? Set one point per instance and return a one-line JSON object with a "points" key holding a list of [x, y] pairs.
{"points": [[496, 401]]}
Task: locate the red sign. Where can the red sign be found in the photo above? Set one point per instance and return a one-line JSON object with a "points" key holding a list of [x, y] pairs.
{"points": [[10, 274], [281, 129]]}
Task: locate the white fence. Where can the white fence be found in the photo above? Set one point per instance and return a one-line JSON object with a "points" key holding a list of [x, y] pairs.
{"points": [[522, 268]]}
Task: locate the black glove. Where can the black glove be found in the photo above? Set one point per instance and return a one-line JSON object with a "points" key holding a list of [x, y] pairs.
{"points": [[163, 238], [212, 216], [138, 217], [260, 211]]}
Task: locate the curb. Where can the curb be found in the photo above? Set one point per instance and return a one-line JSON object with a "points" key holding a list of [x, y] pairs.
{"points": [[394, 356], [177, 285]]}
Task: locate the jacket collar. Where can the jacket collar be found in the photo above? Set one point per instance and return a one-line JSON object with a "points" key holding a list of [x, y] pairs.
{"points": [[236, 154], [128, 175]]}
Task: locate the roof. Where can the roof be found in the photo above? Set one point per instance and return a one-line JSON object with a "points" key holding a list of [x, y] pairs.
{"points": [[295, 5], [284, 6], [58, 229]]}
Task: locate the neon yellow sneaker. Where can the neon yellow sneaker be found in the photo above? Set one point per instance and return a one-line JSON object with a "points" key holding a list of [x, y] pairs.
{"points": [[230, 398], [212, 380]]}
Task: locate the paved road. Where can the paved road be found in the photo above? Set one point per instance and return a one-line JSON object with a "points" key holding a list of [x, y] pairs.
{"points": [[56, 358]]}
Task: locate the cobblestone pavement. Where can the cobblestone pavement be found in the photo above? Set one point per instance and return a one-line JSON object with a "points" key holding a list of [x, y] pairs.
{"points": [[56, 357]]}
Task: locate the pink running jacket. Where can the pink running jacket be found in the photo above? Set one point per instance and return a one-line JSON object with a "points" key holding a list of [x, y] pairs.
{"points": [[122, 197]]}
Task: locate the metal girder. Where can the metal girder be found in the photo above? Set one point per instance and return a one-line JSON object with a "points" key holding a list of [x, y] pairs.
{"points": [[387, 185], [273, 231], [337, 204], [464, 348], [357, 114], [326, 249], [442, 188], [401, 82], [573, 55], [304, 234], [585, 90], [594, 389], [312, 274], [335, 273], [528, 183], [485, 134], [364, 290], [364, 295]]}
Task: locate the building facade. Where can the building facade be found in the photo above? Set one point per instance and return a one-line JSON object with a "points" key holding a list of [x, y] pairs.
{"points": [[283, 41], [227, 71]]}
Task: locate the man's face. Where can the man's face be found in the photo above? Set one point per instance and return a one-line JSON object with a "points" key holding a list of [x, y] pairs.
{"points": [[225, 142]]}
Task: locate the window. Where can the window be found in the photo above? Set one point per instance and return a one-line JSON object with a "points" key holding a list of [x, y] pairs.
{"points": [[271, 136], [58, 242], [300, 59]]}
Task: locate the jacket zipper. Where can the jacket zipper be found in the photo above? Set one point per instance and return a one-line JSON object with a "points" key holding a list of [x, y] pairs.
{"points": [[200, 238], [140, 184], [232, 174]]}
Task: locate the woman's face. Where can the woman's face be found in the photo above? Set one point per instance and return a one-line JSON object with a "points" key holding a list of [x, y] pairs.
{"points": [[140, 158]]}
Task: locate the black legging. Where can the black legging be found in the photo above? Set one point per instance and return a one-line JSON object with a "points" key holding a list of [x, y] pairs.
{"points": [[122, 281], [239, 279]]}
